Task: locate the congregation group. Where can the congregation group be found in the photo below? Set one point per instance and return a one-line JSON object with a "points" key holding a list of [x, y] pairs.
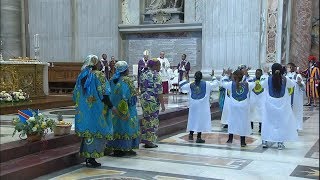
{"points": [[106, 103]]}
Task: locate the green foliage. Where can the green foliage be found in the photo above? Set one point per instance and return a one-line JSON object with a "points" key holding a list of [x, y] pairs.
{"points": [[34, 125]]}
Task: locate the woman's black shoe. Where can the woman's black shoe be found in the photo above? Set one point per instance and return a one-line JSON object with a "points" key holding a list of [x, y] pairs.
{"points": [[230, 138], [199, 140], [150, 146], [243, 141], [131, 153], [118, 153], [91, 162]]}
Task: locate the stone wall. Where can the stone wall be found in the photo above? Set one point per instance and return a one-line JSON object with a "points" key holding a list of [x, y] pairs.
{"points": [[231, 33], [71, 29], [301, 32], [174, 44]]}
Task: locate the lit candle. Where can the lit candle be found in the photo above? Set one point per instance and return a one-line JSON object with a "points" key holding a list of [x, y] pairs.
{"points": [[36, 40]]}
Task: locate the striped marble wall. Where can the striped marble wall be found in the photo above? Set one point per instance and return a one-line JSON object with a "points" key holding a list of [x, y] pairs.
{"points": [[71, 29], [231, 33]]}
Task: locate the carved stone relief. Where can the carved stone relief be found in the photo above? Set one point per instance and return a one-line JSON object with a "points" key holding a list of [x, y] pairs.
{"points": [[272, 21], [125, 12], [284, 31], [163, 11]]}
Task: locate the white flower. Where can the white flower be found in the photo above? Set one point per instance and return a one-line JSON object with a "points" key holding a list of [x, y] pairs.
{"points": [[40, 114], [3, 92], [20, 94], [8, 99], [34, 129], [22, 97], [31, 119], [20, 90]]}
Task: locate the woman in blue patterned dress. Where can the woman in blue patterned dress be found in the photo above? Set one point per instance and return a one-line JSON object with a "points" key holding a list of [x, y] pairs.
{"points": [[151, 99], [126, 128], [92, 121]]}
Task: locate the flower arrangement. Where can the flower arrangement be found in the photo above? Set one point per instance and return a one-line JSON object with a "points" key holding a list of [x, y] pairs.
{"points": [[35, 125], [14, 96]]}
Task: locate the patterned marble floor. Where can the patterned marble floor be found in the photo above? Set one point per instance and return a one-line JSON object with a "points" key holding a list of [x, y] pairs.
{"points": [[177, 158]]}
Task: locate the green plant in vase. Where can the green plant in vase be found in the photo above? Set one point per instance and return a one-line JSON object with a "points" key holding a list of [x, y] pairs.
{"points": [[35, 126]]}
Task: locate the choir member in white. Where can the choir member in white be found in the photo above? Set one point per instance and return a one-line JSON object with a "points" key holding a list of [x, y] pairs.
{"points": [[277, 122], [216, 89], [245, 69], [256, 100], [199, 119], [224, 97], [297, 94], [238, 115], [265, 74]]}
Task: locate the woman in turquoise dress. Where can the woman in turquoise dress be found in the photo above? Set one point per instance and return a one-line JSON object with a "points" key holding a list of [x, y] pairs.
{"points": [[92, 120], [126, 128], [151, 99]]}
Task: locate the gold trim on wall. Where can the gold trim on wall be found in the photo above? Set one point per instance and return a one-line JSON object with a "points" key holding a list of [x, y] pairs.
{"points": [[28, 77]]}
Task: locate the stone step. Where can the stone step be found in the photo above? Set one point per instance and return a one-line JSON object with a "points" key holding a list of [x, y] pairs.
{"points": [[17, 149], [25, 160], [178, 124], [38, 164]]}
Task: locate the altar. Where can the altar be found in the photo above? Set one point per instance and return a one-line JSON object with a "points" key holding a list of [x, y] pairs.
{"points": [[31, 77]]}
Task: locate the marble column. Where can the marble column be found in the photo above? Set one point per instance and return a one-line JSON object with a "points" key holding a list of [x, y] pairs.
{"points": [[301, 32], [130, 12], [10, 34], [189, 11], [193, 10]]}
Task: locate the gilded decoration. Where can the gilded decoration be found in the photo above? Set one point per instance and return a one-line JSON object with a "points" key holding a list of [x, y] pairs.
{"points": [[28, 77], [272, 16]]}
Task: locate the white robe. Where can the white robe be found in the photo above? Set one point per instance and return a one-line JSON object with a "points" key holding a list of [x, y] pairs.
{"points": [[199, 118], [297, 105], [277, 123], [225, 111], [256, 106], [174, 75], [164, 66], [238, 114]]}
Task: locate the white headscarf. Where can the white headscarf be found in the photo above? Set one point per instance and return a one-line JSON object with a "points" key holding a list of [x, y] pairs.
{"points": [[91, 60]]}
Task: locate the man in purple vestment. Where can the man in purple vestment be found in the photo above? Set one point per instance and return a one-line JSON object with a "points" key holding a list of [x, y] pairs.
{"points": [[142, 65], [183, 68]]}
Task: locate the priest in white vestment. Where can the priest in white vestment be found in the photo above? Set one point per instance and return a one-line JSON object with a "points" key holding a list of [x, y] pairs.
{"points": [[164, 66], [199, 118]]}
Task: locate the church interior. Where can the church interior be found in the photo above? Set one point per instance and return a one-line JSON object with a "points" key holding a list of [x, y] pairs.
{"points": [[44, 50]]}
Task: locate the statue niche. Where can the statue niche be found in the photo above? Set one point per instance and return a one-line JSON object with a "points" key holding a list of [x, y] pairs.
{"points": [[163, 11]]}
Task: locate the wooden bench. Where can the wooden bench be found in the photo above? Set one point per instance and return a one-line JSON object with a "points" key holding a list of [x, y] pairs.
{"points": [[62, 76]]}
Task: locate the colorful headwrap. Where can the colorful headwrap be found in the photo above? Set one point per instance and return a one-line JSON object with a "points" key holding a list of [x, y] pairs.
{"points": [[89, 62], [312, 58], [121, 66], [152, 62]]}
